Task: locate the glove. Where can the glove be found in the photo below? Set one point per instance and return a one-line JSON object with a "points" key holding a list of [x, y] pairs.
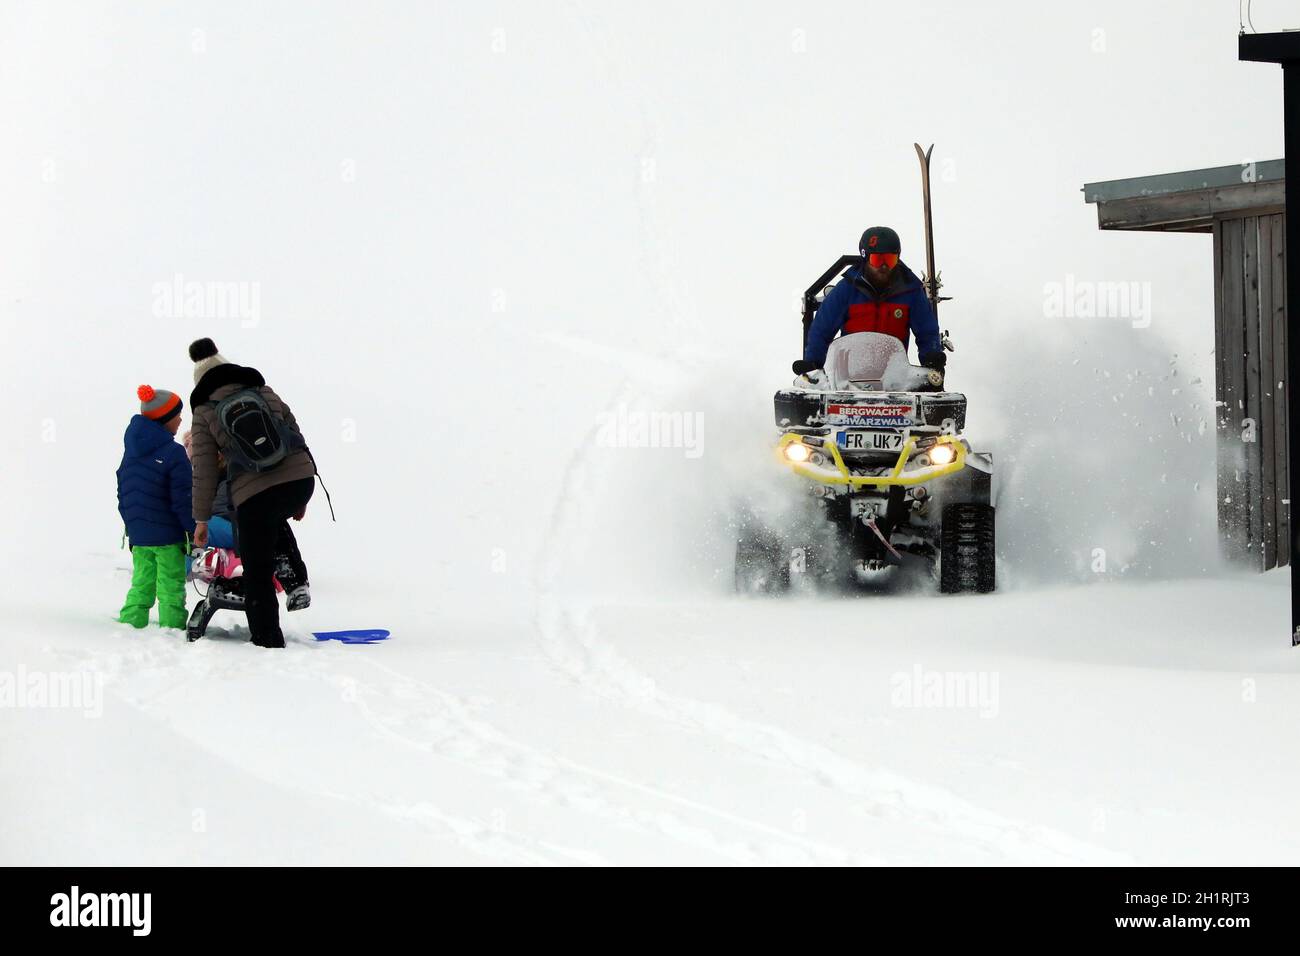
{"points": [[935, 360]]}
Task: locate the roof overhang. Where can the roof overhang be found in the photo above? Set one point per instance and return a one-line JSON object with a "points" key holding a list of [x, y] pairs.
{"points": [[1189, 201]]}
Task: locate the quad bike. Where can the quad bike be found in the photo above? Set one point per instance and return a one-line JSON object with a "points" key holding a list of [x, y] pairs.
{"points": [[876, 444]]}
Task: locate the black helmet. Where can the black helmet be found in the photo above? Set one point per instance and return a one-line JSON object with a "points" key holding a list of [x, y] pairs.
{"points": [[879, 239]]}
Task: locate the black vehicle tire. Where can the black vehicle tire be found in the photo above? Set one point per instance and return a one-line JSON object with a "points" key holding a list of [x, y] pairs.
{"points": [[967, 558]]}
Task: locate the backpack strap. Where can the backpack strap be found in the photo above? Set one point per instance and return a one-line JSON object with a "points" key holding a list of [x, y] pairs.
{"points": [[328, 500]]}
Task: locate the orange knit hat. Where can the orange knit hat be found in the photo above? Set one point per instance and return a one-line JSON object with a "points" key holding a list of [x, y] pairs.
{"points": [[157, 403]]}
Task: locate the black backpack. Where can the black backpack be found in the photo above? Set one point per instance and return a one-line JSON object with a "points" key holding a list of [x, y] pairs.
{"points": [[259, 440]]}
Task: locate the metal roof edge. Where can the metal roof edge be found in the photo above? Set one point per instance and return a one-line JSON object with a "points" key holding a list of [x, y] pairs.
{"points": [[1191, 180]]}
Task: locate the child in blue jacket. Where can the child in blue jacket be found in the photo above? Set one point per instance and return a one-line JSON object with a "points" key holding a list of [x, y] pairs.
{"points": [[153, 496]]}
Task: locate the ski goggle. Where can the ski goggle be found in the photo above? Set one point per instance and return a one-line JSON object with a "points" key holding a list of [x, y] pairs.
{"points": [[881, 259]]}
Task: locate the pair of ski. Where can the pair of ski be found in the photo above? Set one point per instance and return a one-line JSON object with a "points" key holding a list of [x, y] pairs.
{"points": [[931, 282]]}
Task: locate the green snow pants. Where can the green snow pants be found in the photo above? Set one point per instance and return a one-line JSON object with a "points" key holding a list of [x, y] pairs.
{"points": [[156, 573]]}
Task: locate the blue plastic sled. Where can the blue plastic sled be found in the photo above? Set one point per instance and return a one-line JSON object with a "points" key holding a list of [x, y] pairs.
{"points": [[372, 636]]}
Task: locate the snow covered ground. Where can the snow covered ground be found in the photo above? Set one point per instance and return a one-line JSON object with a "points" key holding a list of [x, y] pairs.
{"points": [[470, 314], [1111, 723], [575, 686]]}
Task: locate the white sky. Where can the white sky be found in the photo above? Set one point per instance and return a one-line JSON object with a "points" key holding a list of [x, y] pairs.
{"points": [[776, 131], [628, 173]]}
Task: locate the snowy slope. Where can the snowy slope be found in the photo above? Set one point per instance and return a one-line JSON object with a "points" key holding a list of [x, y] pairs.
{"points": [[718, 730], [581, 705], [457, 301]]}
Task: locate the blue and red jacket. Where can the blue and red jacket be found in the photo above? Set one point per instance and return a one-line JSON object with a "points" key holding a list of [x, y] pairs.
{"points": [[153, 486], [854, 305]]}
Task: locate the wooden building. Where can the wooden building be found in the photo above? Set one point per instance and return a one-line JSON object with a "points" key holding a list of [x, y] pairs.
{"points": [[1243, 208]]}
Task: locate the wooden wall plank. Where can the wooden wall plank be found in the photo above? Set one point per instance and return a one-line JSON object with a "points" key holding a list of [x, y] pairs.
{"points": [[1267, 389], [1250, 306], [1234, 498], [1223, 469], [1281, 467]]}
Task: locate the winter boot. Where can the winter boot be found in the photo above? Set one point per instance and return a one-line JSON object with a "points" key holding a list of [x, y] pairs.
{"points": [[299, 598]]}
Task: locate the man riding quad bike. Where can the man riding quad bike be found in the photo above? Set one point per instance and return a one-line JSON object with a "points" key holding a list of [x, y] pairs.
{"points": [[875, 442], [881, 294]]}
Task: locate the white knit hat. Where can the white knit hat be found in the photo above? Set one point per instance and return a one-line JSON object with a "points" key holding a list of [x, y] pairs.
{"points": [[204, 354]]}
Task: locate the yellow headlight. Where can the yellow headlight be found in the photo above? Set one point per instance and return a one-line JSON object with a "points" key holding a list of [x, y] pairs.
{"points": [[797, 451], [942, 454]]}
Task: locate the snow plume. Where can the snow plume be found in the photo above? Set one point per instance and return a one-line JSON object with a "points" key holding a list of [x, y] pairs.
{"points": [[664, 511], [1104, 443]]}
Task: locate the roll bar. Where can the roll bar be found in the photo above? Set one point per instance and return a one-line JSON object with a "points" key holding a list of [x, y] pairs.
{"points": [[810, 295]]}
